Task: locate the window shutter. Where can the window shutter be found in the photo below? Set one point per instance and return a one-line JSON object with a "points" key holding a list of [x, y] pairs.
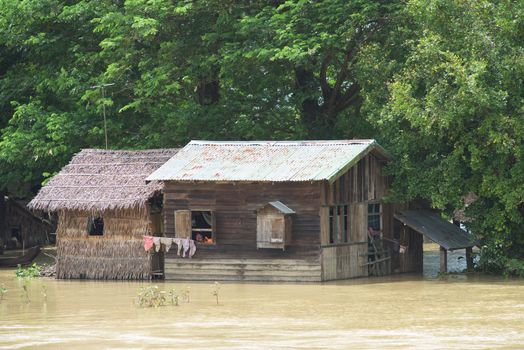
{"points": [[358, 222], [182, 223], [324, 225]]}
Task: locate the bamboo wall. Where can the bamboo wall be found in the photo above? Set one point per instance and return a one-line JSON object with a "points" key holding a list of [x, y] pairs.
{"points": [[117, 254]]}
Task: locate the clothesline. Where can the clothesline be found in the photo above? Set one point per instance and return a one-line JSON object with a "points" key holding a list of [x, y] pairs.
{"points": [[185, 245]]}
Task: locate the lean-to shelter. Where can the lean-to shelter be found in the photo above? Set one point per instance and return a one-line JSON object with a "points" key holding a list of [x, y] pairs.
{"points": [[283, 211], [105, 207]]}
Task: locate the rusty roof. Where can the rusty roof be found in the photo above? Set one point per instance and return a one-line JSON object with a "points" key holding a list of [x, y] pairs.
{"points": [[440, 231], [265, 161]]}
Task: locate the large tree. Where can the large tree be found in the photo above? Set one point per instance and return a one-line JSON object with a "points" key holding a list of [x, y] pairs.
{"points": [[178, 70], [454, 115]]}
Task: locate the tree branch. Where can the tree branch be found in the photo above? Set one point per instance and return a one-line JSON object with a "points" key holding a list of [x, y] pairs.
{"points": [[324, 86], [341, 76]]}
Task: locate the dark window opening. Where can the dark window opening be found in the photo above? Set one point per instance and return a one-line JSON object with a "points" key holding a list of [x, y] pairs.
{"points": [[95, 226], [15, 233], [338, 224], [202, 227], [374, 217]]}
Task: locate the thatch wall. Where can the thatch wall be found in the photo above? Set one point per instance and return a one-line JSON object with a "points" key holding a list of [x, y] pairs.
{"points": [[111, 184], [118, 254]]}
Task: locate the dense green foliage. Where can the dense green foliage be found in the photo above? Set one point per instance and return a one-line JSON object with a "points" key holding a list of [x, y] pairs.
{"points": [[438, 82], [453, 116]]}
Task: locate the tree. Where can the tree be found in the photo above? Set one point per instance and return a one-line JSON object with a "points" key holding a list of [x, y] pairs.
{"points": [[454, 115]]}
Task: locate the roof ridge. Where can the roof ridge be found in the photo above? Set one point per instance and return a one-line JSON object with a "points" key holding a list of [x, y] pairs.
{"points": [[284, 142]]}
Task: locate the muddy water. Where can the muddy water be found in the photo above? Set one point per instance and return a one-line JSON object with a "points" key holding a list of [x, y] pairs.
{"points": [[401, 312]]}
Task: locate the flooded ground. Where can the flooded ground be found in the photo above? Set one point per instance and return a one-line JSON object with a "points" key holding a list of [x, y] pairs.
{"points": [[399, 312]]}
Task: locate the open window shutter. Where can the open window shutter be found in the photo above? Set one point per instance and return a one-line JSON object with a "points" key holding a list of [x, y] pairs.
{"points": [[182, 223], [214, 226]]}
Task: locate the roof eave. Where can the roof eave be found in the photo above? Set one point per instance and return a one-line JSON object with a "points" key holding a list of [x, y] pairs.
{"points": [[372, 147]]}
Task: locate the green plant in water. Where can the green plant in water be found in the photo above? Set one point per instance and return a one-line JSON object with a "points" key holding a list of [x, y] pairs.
{"points": [[44, 292], [151, 296], [25, 290], [28, 272], [174, 297], [186, 293], [216, 291], [3, 290]]}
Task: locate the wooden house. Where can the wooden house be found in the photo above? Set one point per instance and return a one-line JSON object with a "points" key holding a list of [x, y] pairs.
{"points": [[20, 227], [104, 209], [283, 211]]}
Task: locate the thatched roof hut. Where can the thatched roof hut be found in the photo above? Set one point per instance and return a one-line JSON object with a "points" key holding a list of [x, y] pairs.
{"points": [[99, 180], [104, 208]]}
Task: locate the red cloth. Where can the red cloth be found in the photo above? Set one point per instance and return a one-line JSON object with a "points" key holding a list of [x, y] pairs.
{"points": [[148, 242]]}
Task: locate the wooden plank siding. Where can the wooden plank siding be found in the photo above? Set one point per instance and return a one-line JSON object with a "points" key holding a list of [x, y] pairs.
{"points": [[360, 185], [235, 207], [235, 255]]}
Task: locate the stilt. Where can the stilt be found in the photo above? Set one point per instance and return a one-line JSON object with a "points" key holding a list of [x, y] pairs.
{"points": [[443, 260], [469, 259]]}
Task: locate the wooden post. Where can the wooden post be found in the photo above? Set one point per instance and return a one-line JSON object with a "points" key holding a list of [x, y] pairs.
{"points": [[443, 260], [469, 259]]}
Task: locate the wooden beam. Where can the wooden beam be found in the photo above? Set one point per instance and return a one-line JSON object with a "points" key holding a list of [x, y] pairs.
{"points": [[443, 260]]}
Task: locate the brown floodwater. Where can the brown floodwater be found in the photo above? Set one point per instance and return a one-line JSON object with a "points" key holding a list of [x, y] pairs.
{"points": [[398, 312]]}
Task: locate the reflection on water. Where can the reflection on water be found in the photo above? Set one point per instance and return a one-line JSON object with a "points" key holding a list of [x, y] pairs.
{"points": [[398, 312]]}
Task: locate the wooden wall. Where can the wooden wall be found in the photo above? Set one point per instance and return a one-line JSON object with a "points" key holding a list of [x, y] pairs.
{"points": [[360, 185], [33, 230], [235, 207]]}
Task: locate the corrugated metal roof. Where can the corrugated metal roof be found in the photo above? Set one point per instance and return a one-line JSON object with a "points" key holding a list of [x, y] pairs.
{"points": [[440, 231], [264, 161], [284, 209]]}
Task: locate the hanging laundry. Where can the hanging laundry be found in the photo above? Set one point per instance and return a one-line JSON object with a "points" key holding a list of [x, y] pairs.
{"points": [[186, 246], [192, 248], [148, 242], [167, 242], [178, 242], [158, 245]]}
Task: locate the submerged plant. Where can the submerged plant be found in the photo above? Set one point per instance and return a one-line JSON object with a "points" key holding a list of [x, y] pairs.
{"points": [[25, 289], [3, 290], [186, 293], [151, 296], [173, 297], [44, 292], [28, 272], [216, 290]]}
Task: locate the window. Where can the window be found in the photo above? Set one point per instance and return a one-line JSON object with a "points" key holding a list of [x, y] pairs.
{"points": [[202, 227], [375, 217], [338, 224], [95, 226]]}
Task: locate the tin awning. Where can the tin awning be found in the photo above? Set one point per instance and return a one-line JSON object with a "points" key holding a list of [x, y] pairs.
{"points": [[440, 231]]}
